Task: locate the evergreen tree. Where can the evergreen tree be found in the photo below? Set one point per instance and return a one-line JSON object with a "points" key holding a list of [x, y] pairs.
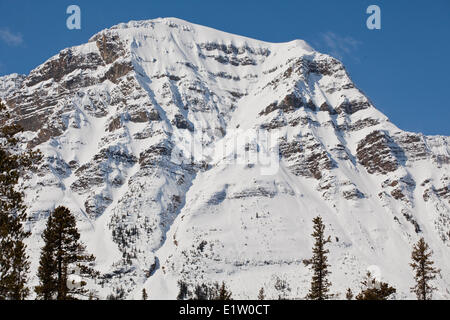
{"points": [[63, 254], [118, 294], [14, 162], [424, 270], [320, 285], [261, 294], [183, 290], [144, 294], [374, 290], [202, 292], [282, 287], [349, 294], [223, 293], [93, 295], [47, 270]]}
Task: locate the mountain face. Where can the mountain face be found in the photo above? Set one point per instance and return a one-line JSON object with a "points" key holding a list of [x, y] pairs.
{"points": [[189, 153]]}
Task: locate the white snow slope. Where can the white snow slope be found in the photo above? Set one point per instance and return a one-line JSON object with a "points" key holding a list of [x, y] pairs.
{"points": [[137, 128]]}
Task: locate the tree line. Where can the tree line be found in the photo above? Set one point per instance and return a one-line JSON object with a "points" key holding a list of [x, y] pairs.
{"points": [[422, 265], [372, 289]]}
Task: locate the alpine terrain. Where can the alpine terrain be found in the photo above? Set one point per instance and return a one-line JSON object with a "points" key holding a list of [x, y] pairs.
{"points": [[191, 154]]}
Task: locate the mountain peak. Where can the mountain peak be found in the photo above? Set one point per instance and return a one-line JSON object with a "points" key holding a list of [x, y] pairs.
{"points": [[164, 26], [195, 154]]}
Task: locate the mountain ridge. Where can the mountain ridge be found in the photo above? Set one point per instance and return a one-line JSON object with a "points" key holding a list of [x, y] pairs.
{"points": [[134, 126]]}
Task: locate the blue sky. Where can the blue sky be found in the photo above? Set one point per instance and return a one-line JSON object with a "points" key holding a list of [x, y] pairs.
{"points": [[404, 68]]}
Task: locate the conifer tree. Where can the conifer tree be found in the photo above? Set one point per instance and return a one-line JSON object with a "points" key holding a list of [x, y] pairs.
{"points": [[14, 162], [205, 292], [320, 285], [63, 254], [183, 292], [202, 292], [424, 270], [48, 288], [374, 289], [223, 293], [282, 287], [349, 294], [261, 294], [144, 294]]}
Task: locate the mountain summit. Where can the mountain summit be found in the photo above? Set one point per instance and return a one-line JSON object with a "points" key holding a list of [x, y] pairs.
{"points": [[191, 154]]}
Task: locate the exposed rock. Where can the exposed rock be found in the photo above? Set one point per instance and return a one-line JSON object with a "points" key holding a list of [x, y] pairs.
{"points": [[97, 172], [326, 67], [63, 64], [352, 194], [375, 153], [154, 154], [181, 123], [351, 107], [397, 194], [306, 157], [359, 125], [413, 221], [413, 145], [340, 152], [304, 121], [327, 108], [289, 104], [274, 124], [118, 70], [401, 188], [110, 47], [115, 124], [96, 204], [44, 135], [443, 193], [144, 116], [258, 192], [233, 50]]}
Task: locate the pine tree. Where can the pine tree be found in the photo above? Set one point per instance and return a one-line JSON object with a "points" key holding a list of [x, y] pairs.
{"points": [[261, 294], [14, 162], [374, 290], [424, 270], [223, 293], [320, 285], [282, 287], [349, 294], [183, 290], [144, 294], [47, 270], [93, 295], [202, 292], [62, 254]]}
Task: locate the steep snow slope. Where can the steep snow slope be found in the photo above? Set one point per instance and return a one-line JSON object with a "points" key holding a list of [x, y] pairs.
{"points": [[189, 153]]}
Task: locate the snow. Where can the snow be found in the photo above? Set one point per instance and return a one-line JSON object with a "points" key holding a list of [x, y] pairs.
{"points": [[256, 222]]}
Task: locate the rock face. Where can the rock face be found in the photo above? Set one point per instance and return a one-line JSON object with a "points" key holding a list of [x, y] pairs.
{"points": [[135, 127], [377, 153]]}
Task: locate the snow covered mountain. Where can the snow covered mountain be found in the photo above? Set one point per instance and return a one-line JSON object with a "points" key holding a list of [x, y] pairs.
{"points": [[138, 128]]}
